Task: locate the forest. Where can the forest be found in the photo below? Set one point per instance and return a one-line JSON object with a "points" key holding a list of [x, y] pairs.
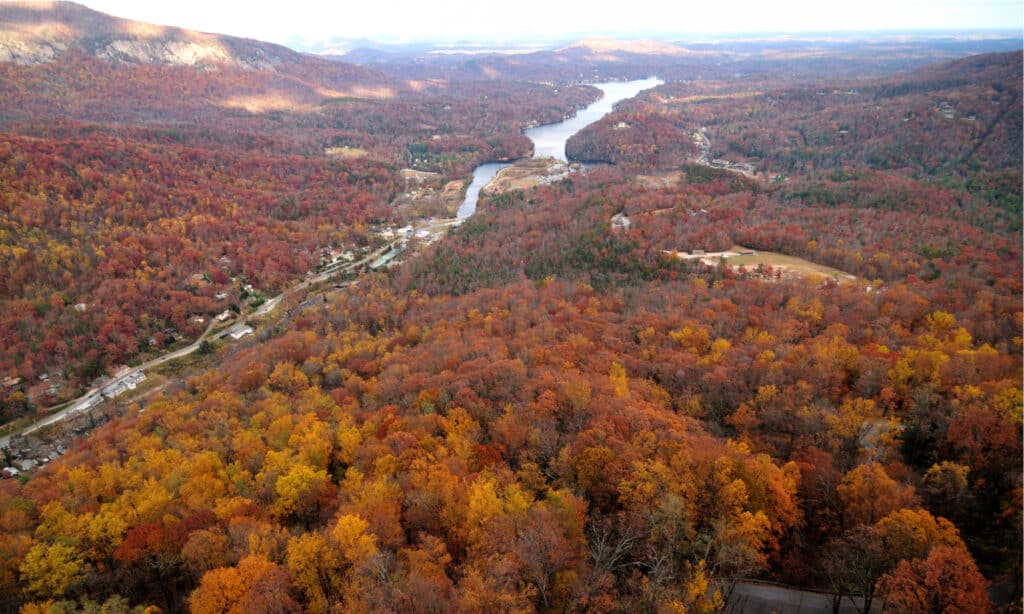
{"points": [[142, 225], [549, 409]]}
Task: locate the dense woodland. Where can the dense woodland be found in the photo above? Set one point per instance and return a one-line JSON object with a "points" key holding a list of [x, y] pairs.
{"points": [[953, 119], [543, 411], [145, 224]]}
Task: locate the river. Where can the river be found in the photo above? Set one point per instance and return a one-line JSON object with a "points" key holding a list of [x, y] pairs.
{"points": [[549, 139]]}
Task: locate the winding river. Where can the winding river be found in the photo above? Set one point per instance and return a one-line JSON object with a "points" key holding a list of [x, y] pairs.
{"points": [[549, 139]]}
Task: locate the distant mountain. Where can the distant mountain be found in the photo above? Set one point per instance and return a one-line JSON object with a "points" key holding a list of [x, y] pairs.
{"points": [[640, 47]]}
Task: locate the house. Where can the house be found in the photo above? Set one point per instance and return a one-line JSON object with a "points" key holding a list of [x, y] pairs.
{"points": [[224, 315], [220, 296], [696, 252], [9, 472], [620, 222], [80, 307]]}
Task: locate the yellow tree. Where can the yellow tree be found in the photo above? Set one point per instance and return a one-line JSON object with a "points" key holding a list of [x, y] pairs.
{"points": [[868, 494], [50, 570], [299, 491], [316, 569], [356, 544]]}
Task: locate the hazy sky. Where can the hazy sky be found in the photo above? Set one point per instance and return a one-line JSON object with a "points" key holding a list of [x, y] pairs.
{"points": [[292, 21]]}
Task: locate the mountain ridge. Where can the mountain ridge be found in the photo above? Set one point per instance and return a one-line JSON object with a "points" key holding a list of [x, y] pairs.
{"points": [[32, 32]]}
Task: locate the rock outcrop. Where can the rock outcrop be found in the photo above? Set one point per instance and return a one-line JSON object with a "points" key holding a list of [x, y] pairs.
{"points": [[37, 32]]}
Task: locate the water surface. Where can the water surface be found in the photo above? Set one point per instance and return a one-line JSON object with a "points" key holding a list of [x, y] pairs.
{"points": [[549, 139]]}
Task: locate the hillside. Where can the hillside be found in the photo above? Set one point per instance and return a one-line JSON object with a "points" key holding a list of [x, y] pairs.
{"points": [[955, 120], [543, 408], [135, 194], [35, 34]]}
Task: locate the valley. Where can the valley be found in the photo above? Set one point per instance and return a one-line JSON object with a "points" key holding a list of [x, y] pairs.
{"points": [[456, 327], [426, 231]]}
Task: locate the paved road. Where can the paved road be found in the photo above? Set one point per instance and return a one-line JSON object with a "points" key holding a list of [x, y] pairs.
{"points": [[94, 395], [757, 598]]}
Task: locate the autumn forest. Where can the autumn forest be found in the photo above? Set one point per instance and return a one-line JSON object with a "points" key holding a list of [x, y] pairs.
{"points": [[769, 334]]}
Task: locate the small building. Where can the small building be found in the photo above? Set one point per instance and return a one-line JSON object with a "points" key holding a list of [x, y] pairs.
{"points": [[696, 252], [220, 296], [620, 222], [747, 252], [9, 472], [238, 334], [81, 307], [222, 316]]}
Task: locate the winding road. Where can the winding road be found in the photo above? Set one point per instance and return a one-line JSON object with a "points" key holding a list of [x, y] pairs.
{"points": [[94, 395], [559, 132]]}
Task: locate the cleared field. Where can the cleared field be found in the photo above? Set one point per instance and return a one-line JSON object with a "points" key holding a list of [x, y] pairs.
{"points": [[797, 266], [345, 152], [788, 265], [526, 174], [656, 182]]}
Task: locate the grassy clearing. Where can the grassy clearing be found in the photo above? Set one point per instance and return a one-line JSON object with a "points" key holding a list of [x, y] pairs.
{"points": [[788, 264], [346, 152]]}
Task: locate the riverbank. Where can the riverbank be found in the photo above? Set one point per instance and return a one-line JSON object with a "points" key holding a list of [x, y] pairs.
{"points": [[526, 174], [547, 138]]}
